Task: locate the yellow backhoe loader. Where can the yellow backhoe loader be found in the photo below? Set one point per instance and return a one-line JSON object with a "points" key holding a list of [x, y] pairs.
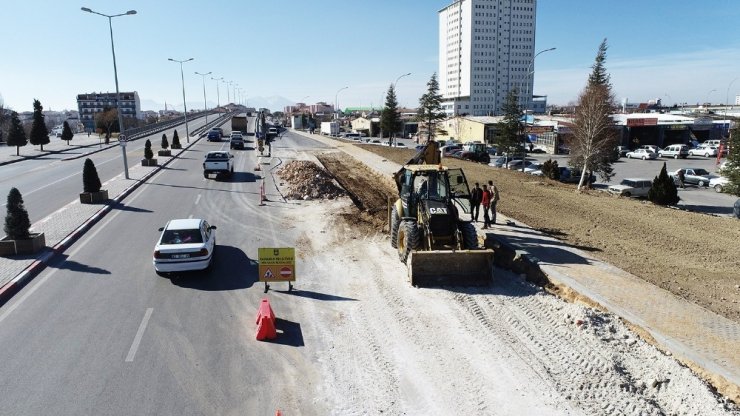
{"points": [[438, 247]]}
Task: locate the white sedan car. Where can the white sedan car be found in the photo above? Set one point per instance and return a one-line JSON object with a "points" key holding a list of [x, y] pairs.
{"points": [[643, 154], [706, 151], [718, 183], [185, 244]]}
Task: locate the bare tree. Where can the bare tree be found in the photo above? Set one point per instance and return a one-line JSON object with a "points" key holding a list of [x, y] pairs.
{"points": [[594, 135], [108, 118]]}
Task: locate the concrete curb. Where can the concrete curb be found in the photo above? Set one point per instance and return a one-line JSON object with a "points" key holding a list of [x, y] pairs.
{"points": [[29, 273]]}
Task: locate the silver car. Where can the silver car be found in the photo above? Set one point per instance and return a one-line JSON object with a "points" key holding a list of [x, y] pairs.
{"points": [[643, 154], [629, 187]]}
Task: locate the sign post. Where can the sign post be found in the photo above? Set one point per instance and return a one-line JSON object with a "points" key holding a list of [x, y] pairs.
{"points": [[277, 265], [122, 141]]}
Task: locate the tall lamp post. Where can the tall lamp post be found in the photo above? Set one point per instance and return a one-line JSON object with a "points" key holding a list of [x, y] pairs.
{"points": [[185, 106], [708, 94], [205, 102], [394, 89], [228, 91], [218, 94], [530, 72], [336, 106], [727, 104], [121, 128]]}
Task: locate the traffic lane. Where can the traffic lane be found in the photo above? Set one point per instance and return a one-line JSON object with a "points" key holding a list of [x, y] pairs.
{"points": [[196, 349], [49, 183]]}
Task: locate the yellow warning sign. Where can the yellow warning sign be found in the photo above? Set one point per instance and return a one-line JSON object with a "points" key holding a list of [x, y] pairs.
{"points": [[277, 264]]}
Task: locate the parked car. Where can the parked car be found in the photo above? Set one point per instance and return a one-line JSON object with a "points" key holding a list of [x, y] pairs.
{"points": [[517, 164], [696, 176], [631, 187], [447, 151], [622, 150], [500, 161], [704, 150], [185, 244], [650, 147], [675, 151], [375, 141], [641, 153], [718, 183], [533, 167]]}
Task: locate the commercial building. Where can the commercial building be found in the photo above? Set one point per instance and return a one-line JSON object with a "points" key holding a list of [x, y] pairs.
{"points": [[486, 49], [90, 104]]}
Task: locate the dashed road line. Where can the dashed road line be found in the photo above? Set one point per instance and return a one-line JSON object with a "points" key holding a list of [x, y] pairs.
{"points": [[139, 335]]}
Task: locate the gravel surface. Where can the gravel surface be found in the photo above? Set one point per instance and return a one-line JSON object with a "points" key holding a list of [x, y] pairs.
{"points": [[512, 348]]}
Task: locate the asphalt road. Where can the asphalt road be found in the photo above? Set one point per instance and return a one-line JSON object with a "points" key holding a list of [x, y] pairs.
{"points": [[48, 183], [98, 332]]}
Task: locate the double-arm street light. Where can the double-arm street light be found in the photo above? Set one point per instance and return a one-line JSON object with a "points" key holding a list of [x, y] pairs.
{"points": [[336, 105], [205, 102], [185, 106], [218, 94], [121, 129], [394, 89]]}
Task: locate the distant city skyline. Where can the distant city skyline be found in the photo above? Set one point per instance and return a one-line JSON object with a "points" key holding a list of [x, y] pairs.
{"points": [[675, 51]]}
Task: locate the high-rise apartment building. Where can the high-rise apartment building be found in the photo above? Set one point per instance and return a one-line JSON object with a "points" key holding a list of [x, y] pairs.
{"points": [[486, 48]]}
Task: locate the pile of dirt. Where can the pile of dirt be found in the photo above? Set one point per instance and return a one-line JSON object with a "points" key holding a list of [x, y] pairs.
{"points": [[307, 180]]}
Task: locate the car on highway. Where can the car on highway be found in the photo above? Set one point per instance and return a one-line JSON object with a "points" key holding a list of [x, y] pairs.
{"points": [[236, 140], [675, 151], [184, 245], [696, 176], [631, 187], [214, 136], [643, 154], [704, 150], [719, 183]]}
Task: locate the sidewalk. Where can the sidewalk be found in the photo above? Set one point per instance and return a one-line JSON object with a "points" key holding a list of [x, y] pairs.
{"points": [[696, 336], [66, 225]]}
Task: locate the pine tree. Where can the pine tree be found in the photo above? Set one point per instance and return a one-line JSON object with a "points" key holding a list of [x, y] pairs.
{"points": [[67, 133], [39, 132], [148, 154], [90, 178], [550, 169], [176, 141], [732, 169], [663, 191], [430, 107], [165, 144], [17, 224], [390, 120], [16, 134], [509, 130]]}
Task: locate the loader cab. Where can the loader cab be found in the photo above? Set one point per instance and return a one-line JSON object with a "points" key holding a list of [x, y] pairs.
{"points": [[433, 183]]}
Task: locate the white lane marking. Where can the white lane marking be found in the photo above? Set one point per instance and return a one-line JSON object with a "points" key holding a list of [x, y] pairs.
{"points": [[197, 199], [139, 335]]}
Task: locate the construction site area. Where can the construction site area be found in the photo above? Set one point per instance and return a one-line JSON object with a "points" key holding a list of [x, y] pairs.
{"points": [[514, 346]]}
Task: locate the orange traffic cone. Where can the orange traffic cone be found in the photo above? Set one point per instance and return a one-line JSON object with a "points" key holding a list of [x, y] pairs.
{"points": [[265, 321]]}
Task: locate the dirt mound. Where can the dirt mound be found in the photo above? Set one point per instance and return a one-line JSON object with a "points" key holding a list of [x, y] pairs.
{"points": [[307, 180]]}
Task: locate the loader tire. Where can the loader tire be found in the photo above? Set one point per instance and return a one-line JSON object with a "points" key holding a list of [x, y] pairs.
{"points": [[395, 223], [408, 239], [469, 235]]}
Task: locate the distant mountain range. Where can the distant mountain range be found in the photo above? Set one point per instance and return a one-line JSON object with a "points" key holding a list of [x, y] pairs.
{"points": [[274, 103]]}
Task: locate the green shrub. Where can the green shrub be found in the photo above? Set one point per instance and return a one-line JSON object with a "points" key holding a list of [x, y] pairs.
{"points": [[551, 169], [90, 178], [165, 144], [17, 224], [148, 154], [663, 191], [176, 141]]}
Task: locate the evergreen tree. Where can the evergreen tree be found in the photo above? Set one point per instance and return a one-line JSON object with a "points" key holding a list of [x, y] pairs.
{"points": [[663, 191], [430, 107], [390, 120], [148, 154], [732, 169], [39, 132], [509, 135], [16, 134], [598, 75], [176, 141], [17, 224], [67, 133], [90, 178], [550, 169], [165, 144]]}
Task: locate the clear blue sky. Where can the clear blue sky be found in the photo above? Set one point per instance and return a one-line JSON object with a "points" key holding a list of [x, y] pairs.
{"points": [[678, 50]]}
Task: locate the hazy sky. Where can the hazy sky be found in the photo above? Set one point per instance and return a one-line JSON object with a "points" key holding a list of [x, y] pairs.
{"points": [[678, 50]]}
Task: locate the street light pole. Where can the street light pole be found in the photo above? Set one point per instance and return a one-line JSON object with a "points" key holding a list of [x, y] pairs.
{"points": [[115, 75], [205, 102], [184, 104], [336, 106], [218, 94], [727, 104], [530, 71], [394, 90], [228, 91]]}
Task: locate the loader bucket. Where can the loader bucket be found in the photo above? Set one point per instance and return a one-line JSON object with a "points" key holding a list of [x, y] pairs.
{"points": [[451, 268]]}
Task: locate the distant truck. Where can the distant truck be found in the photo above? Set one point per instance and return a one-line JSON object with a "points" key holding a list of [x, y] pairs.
{"points": [[239, 123], [330, 128], [218, 162]]}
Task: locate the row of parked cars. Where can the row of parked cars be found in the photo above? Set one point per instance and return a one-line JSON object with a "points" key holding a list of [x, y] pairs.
{"points": [[639, 187], [709, 148]]}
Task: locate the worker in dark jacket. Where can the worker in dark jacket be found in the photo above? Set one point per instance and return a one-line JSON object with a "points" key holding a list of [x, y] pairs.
{"points": [[476, 197]]}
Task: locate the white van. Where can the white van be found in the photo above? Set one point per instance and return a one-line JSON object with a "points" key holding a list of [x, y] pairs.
{"points": [[711, 143], [675, 151]]}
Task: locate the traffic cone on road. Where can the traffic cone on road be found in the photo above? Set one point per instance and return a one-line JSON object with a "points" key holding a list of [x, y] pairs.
{"points": [[265, 321]]}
